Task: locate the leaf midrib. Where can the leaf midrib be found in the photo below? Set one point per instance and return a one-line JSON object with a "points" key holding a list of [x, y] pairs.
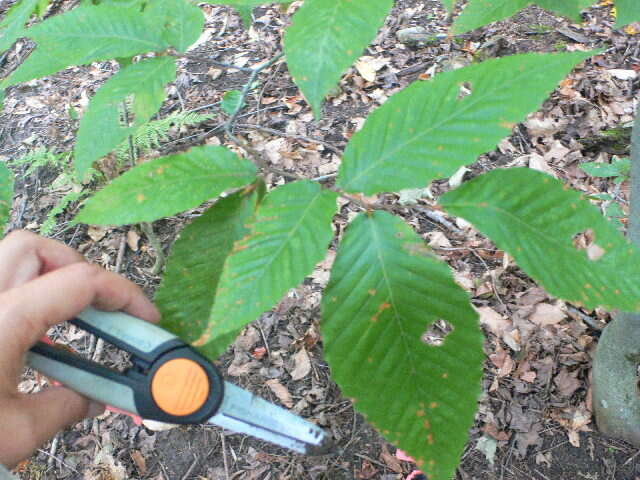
{"points": [[397, 317], [469, 104]]}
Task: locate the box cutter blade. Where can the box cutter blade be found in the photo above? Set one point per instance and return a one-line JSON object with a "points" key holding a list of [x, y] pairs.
{"points": [[171, 382]]}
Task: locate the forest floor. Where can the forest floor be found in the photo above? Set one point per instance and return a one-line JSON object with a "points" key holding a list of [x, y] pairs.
{"points": [[535, 408]]}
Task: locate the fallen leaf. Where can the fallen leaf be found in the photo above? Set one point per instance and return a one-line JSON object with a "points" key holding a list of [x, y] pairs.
{"points": [[390, 461], [155, 426], [495, 322], [302, 365], [133, 239], [488, 447], [139, 460], [547, 314], [566, 382], [281, 392], [96, 232]]}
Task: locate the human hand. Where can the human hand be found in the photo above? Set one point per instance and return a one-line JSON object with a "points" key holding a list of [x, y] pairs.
{"points": [[43, 282]]}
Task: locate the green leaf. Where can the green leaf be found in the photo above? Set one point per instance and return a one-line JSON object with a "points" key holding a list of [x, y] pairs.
{"points": [[479, 13], [535, 217], [628, 11], [182, 22], [289, 235], [167, 185], [246, 14], [87, 34], [325, 38], [41, 7], [6, 195], [185, 296], [604, 170], [232, 102], [12, 25], [386, 288], [101, 129], [448, 4], [428, 130]]}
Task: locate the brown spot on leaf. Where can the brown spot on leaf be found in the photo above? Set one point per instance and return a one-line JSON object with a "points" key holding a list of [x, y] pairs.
{"points": [[433, 405], [507, 125], [140, 198], [384, 306], [426, 424], [430, 439], [371, 291], [445, 375]]}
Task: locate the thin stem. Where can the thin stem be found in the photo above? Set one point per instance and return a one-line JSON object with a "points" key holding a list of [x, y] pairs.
{"points": [[154, 240]]}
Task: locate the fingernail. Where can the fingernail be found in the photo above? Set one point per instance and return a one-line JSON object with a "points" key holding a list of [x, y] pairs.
{"points": [[95, 409]]}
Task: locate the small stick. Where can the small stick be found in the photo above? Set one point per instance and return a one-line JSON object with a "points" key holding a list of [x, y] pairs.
{"points": [[147, 228], [191, 468], [224, 455], [52, 451], [438, 218]]}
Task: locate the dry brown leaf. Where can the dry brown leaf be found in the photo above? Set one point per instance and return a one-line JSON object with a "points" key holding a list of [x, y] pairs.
{"points": [[390, 460], [566, 382], [547, 314], [302, 365], [281, 392], [133, 239], [139, 460], [96, 232], [495, 322]]}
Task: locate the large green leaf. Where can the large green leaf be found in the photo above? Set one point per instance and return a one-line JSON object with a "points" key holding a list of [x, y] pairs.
{"points": [[12, 25], [429, 129], [289, 235], [167, 185], [535, 217], [628, 12], [325, 38], [6, 195], [87, 34], [101, 129], [185, 296], [182, 22], [386, 288], [479, 13]]}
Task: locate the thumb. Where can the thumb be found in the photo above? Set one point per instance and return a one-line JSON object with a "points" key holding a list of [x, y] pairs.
{"points": [[54, 409]]}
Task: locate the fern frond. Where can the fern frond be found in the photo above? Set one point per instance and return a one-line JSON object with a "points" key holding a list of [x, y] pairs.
{"points": [[50, 222], [40, 157], [152, 134]]}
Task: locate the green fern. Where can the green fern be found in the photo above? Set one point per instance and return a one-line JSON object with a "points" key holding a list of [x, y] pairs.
{"points": [[40, 157], [50, 222], [152, 134]]}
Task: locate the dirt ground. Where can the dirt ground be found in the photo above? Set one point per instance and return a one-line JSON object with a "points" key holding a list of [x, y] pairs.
{"points": [[535, 406]]}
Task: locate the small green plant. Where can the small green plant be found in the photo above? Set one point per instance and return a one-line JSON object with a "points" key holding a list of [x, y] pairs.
{"points": [[386, 287], [620, 170]]}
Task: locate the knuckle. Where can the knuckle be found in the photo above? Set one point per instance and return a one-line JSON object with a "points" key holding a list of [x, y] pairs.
{"points": [[23, 238]]}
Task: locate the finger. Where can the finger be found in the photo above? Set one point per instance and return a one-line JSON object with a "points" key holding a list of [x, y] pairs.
{"points": [[38, 417], [25, 255], [31, 309]]}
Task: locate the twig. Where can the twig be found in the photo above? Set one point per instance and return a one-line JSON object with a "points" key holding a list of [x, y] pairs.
{"points": [[191, 468], [247, 88], [438, 218], [224, 455], [585, 318], [304, 138], [59, 460], [154, 240], [52, 451]]}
